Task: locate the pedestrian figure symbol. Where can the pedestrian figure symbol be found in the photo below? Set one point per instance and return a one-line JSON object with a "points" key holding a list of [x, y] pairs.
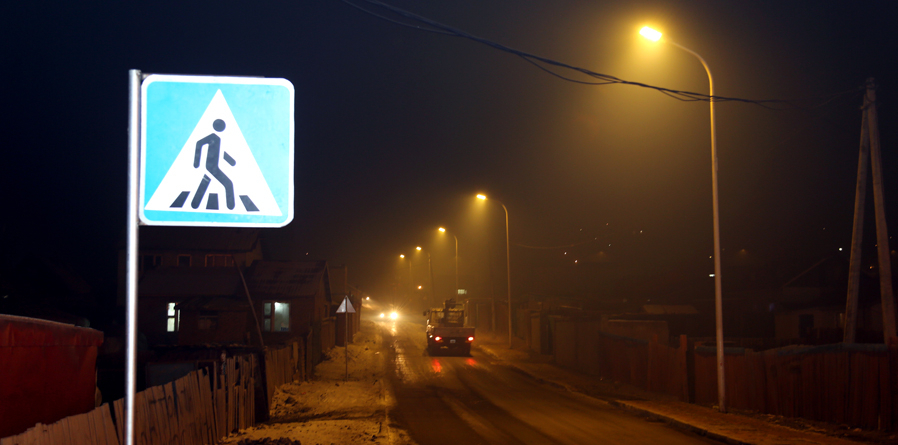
{"points": [[207, 167], [212, 160]]}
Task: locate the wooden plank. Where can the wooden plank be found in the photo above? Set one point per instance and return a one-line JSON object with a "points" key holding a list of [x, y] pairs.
{"points": [[119, 408], [202, 383], [183, 421], [112, 437], [220, 408]]}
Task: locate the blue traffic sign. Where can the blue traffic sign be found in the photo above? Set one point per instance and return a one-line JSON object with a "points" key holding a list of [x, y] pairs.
{"points": [[216, 151]]}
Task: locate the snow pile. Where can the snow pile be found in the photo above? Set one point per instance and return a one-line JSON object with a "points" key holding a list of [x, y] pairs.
{"points": [[331, 409]]}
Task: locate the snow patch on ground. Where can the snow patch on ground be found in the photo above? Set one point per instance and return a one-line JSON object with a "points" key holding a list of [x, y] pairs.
{"points": [[331, 408]]}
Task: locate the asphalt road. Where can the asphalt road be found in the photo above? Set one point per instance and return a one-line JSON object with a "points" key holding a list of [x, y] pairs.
{"points": [[474, 400]]}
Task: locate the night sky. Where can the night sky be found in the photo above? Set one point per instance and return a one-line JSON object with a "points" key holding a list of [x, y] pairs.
{"points": [[397, 129]]}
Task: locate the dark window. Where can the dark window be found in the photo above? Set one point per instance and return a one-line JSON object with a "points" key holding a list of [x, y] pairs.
{"points": [[184, 260], [214, 260], [805, 324], [150, 262], [207, 322]]}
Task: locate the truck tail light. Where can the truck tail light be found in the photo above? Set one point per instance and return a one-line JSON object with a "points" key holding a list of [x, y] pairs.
{"points": [[470, 339], [438, 338]]}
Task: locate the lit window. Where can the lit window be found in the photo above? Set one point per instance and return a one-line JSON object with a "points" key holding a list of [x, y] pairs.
{"points": [[174, 318], [276, 316]]}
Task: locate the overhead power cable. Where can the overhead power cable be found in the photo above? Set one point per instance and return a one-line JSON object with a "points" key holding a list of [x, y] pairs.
{"points": [[421, 23]]}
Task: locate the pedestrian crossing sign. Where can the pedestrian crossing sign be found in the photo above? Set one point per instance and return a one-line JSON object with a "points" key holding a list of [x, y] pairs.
{"points": [[216, 151]]}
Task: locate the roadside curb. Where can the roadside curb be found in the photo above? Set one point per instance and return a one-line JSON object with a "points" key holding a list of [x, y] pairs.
{"points": [[618, 403]]}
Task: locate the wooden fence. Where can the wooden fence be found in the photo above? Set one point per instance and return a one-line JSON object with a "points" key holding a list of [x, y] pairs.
{"points": [[200, 408], [282, 366], [580, 345], [853, 384]]}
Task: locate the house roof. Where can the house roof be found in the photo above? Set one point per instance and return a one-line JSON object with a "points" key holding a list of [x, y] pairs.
{"points": [[213, 304], [224, 239], [185, 282], [338, 279], [669, 309], [287, 279]]}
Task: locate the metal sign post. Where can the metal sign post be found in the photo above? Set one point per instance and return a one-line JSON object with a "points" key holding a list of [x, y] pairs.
{"points": [[241, 128], [346, 309], [131, 272]]}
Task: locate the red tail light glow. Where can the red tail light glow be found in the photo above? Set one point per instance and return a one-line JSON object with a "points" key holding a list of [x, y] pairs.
{"points": [[470, 339], [438, 338]]}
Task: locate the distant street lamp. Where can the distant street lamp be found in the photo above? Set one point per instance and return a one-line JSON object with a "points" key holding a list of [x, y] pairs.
{"points": [[430, 268], [482, 197], [443, 230], [655, 36]]}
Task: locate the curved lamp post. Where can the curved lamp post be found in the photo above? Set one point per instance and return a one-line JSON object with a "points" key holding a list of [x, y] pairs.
{"points": [[655, 36], [507, 265]]}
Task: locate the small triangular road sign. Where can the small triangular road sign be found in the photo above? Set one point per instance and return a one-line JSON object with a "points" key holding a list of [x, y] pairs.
{"points": [[345, 307]]}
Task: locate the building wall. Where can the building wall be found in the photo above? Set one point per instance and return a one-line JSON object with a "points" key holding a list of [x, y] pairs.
{"points": [[641, 329], [231, 328], [788, 323]]}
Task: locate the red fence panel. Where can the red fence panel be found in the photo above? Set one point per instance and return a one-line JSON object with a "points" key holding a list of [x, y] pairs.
{"points": [[44, 360]]}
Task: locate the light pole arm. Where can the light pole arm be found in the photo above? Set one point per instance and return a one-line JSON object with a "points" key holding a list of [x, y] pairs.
{"points": [[456, 265], [718, 299], [508, 272]]}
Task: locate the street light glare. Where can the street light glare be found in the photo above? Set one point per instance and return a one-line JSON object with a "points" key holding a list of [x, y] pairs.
{"points": [[401, 256], [442, 229], [482, 197], [418, 248], [650, 33]]}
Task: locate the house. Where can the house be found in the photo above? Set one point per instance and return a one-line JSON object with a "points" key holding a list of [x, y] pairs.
{"points": [[293, 301], [179, 263], [193, 283]]}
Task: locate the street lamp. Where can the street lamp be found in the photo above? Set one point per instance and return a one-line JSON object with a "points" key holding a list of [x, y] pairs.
{"points": [[482, 197], [655, 36], [430, 268], [407, 291], [443, 230]]}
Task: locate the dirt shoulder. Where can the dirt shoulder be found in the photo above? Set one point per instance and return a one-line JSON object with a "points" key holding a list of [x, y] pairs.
{"points": [[331, 408]]}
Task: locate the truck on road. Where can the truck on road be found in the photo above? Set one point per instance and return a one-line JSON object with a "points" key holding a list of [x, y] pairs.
{"points": [[446, 329]]}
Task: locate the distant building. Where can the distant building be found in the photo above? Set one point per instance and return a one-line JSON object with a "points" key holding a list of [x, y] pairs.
{"points": [[191, 291]]}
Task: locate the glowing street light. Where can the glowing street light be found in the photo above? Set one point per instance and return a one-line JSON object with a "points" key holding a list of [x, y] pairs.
{"points": [[650, 33], [443, 230], [401, 255], [482, 197], [655, 36]]}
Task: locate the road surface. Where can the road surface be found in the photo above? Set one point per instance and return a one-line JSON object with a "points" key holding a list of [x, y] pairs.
{"points": [[476, 400]]}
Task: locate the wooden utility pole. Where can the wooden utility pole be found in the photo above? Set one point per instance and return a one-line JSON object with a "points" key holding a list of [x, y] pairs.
{"points": [[870, 144], [854, 268]]}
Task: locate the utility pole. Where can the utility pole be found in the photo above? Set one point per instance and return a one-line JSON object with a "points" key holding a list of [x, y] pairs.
{"points": [[870, 141]]}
